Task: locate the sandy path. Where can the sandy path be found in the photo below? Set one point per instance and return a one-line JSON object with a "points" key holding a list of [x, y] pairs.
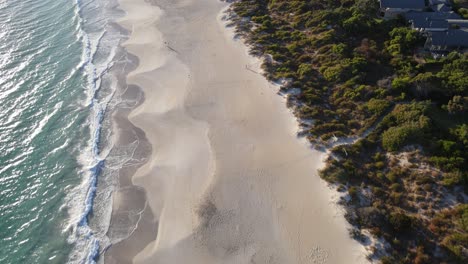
{"points": [[228, 180]]}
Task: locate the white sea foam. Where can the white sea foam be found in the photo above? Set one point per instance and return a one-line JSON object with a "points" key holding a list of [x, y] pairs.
{"points": [[81, 199], [39, 108], [99, 49]]}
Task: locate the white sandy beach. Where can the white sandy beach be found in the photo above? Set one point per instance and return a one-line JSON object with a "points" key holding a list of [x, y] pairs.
{"points": [[228, 180]]}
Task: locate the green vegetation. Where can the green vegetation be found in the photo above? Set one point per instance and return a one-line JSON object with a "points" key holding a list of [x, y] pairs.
{"points": [[362, 76], [406, 124], [461, 7], [452, 226]]}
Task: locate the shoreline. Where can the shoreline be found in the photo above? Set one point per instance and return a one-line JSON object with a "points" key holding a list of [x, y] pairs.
{"points": [[199, 207], [129, 212]]}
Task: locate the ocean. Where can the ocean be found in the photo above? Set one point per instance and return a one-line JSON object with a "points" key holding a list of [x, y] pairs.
{"points": [[57, 155]]}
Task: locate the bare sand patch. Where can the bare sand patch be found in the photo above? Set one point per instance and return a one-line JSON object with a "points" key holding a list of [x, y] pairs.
{"points": [[228, 180]]}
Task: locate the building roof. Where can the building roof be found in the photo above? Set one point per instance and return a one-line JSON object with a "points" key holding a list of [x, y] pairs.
{"points": [[441, 8], [463, 23], [409, 4], [438, 2], [428, 20], [450, 38]]}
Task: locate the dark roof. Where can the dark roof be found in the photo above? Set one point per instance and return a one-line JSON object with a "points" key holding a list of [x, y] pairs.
{"points": [[449, 38], [429, 20], [437, 2], [411, 4], [442, 8], [459, 22]]}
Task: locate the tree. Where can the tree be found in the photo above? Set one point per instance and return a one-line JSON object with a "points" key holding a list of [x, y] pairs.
{"points": [[453, 74], [403, 41]]}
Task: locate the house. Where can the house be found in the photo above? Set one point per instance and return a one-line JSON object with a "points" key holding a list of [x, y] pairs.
{"points": [[443, 41], [444, 29], [393, 8], [430, 21]]}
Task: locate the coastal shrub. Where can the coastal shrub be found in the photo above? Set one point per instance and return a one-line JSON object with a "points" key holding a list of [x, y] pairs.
{"points": [[424, 84], [370, 217], [410, 112], [460, 132], [355, 24], [453, 75], [380, 175], [396, 137], [328, 127], [447, 163], [395, 198], [354, 94], [421, 178], [344, 69], [457, 105], [353, 124], [357, 65], [463, 12], [349, 166], [462, 215], [401, 83], [379, 192], [353, 192], [447, 147], [368, 49], [305, 71], [377, 106], [456, 243], [260, 19], [396, 242], [368, 7], [379, 156], [421, 257], [395, 187], [387, 260], [455, 178], [352, 67], [402, 41], [333, 174], [340, 49], [249, 9], [452, 220], [379, 165], [392, 176], [399, 221], [332, 73], [427, 187]]}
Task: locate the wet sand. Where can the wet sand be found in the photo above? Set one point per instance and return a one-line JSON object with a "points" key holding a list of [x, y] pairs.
{"points": [[227, 181]]}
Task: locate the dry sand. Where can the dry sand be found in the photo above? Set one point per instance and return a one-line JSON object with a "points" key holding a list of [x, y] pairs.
{"points": [[228, 180]]}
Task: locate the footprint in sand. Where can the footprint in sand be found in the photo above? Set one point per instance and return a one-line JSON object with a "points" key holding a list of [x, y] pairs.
{"points": [[318, 255]]}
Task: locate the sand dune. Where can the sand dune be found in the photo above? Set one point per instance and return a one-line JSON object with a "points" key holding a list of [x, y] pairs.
{"points": [[228, 180]]}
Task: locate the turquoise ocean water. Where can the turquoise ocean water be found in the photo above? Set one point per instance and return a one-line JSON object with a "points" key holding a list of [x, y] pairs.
{"points": [[56, 92]]}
